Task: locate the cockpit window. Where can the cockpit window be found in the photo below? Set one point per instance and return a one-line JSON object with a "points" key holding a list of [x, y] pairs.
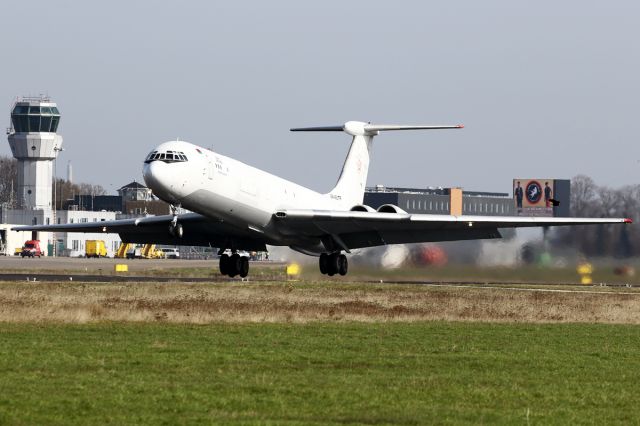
{"points": [[167, 157]]}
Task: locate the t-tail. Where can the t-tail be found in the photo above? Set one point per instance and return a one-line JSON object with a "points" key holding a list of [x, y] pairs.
{"points": [[353, 179]]}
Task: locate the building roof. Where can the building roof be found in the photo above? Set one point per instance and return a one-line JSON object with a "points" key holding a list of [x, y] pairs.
{"points": [[433, 191], [133, 185]]}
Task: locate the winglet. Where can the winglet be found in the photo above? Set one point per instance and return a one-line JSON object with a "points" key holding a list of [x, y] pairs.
{"points": [[627, 220]]}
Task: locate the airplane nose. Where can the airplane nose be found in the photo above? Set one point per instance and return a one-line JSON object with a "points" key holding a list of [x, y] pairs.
{"points": [[159, 179]]}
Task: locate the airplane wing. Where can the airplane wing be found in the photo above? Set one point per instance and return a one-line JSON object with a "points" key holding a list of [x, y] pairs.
{"points": [[354, 229], [198, 230]]}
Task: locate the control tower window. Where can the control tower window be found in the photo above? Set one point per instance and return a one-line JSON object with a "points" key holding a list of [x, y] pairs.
{"points": [[54, 123], [35, 118], [34, 123], [45, 123]]}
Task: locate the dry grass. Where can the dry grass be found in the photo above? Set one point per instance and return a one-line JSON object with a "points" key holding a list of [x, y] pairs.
{"points": [[301, 303]]}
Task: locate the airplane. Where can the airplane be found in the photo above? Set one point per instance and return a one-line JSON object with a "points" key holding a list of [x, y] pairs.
{"points": [[235, 207]]}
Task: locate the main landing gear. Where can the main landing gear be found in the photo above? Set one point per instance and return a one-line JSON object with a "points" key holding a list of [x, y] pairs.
{"points": [[334, 263], [234, 265]]}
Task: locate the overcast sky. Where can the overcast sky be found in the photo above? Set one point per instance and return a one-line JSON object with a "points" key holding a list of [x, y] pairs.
{"points": [[544, 88]]}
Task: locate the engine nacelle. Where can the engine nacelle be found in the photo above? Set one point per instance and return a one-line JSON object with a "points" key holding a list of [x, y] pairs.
{"points": [[390, 208], [362, 208]]}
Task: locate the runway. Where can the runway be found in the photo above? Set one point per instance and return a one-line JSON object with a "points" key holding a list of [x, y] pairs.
{"points": [[63, 269], [105, 264]]}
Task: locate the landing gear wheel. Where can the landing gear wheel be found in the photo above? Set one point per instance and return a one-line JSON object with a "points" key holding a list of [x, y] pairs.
{"points": [[234, 265], [333, 264], [176, 230], [324, 263], [244, 267], [224, 264], [343, 265]]}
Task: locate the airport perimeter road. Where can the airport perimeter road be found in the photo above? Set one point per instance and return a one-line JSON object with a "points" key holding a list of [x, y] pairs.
{"points": [[79, 264]]}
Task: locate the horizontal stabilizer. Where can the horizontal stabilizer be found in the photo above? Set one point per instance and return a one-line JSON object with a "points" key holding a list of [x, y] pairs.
{"points": [[360, 128], [319, 129], [384, 127]]}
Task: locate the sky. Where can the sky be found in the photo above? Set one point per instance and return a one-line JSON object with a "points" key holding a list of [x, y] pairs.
{"points": [[544, 88]]}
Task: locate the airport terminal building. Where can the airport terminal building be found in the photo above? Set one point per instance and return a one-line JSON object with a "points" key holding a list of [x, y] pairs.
{"points": [[442, 201], [530, 197]]}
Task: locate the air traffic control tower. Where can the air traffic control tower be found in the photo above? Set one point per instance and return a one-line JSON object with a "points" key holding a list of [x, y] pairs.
{"points": [[35, 144]]}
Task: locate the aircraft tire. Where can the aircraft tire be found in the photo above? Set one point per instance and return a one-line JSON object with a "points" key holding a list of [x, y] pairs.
{"points": [[324, 263], [244, 266], [234, 265], [224, 264], [333, 266], [343, 265]]}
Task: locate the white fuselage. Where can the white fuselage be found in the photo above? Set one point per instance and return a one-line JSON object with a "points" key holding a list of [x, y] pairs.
{"points": [[222, 188]]}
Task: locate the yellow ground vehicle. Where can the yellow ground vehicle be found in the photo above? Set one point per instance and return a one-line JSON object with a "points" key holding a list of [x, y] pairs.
{"points": [[95, 248], [122, 250], [149, 251]]}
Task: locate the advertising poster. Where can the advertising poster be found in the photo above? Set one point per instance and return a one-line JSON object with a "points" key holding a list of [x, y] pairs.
{"points": [[533, 197]]}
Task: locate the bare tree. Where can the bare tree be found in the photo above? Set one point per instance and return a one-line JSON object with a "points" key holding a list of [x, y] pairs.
{"points": [[66, 191], [8, 179], [583, 194], [590, 200]]}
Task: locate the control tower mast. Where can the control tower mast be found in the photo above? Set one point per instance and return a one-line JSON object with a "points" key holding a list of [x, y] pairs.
{"points": [[35, 144]]}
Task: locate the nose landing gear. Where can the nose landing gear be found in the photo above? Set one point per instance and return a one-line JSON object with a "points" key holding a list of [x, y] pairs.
{"points": [[175, 229], [234, 265], [334, 263]]}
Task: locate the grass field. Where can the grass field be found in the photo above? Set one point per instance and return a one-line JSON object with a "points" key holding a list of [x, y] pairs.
{"points": [[320, 373], [303, 302], [317, 353]]}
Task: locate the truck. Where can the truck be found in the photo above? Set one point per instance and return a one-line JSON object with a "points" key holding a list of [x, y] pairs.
{"points": [[31, 248], [95, 248]]}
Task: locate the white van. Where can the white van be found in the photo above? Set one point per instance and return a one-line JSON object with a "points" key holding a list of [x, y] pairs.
{"points": [[171, 253]]}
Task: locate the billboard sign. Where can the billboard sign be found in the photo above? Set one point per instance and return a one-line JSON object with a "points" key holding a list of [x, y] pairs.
{"points": [[534, 197]]}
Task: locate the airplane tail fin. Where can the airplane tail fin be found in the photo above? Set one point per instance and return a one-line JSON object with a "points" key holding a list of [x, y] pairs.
{"points": [[350, 188]]}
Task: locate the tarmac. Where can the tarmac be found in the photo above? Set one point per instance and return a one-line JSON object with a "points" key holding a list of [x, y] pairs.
{"points": [[57, 269], [62, 269], [105, 264]]}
